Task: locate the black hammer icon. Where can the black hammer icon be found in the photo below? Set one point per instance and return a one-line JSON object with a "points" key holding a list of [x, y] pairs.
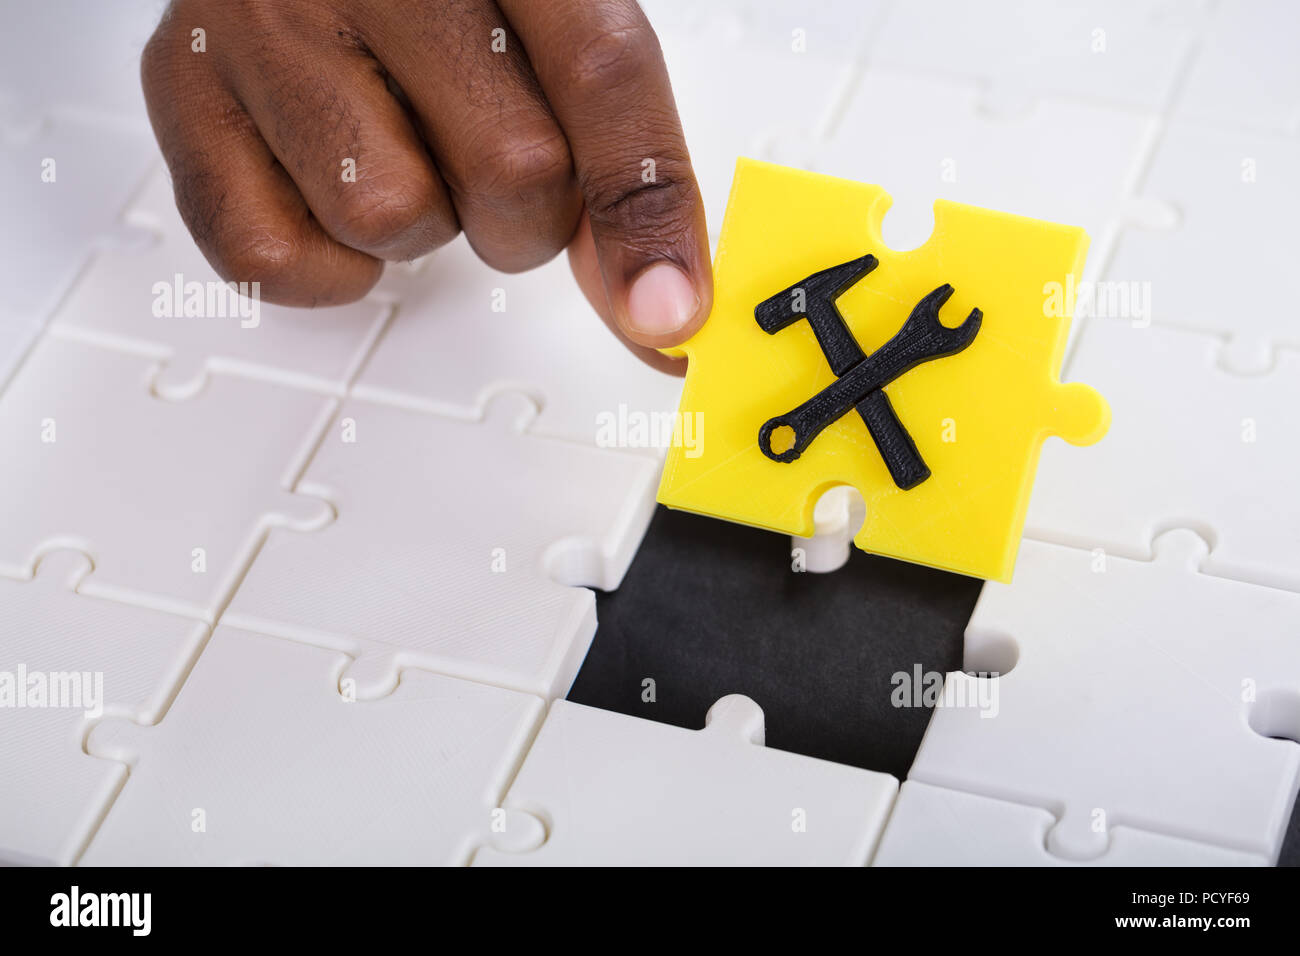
{"points": [[859, 378]]}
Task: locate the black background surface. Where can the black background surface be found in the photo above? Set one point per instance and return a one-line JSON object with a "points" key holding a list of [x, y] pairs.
{"points": [[710, 608]]}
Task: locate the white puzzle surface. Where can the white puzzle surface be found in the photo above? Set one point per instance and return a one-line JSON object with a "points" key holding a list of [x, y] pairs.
{"points": [[412, 779], [70, 660], [1139, 694], [169, 499], [458, 547], [614, 790], [934, 826], [1195, 446]]}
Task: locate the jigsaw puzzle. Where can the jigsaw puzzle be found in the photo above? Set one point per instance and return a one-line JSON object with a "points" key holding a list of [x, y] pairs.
{"points": [[949, 417], [459, 546], [81, 55], [386, 514], [168, 499], [1122, 52], [616, 790], [1172, 693], [66, 661], [410, 780], [1219, 183], [933, 826], [937, 140], [1213, 446], [797, 72], [1246, 72]]}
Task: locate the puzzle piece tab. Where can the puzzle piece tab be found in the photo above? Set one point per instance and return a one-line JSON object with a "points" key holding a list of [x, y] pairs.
{"points": [[819, 367]]}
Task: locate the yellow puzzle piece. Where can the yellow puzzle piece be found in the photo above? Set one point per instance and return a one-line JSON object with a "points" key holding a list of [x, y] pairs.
{"points": [[925, 379]]}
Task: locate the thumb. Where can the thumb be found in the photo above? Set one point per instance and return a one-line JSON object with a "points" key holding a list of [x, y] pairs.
{"points": [[652, 250], [586, 270]]}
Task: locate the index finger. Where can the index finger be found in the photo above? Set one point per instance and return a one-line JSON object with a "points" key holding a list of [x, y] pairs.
{"points": [[603, 73]]}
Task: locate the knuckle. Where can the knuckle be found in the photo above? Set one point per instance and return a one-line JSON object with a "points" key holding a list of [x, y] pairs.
{"points": [[520, 166], [664, 208], [159, 62], [390, 214], [258, 256], [612, 58]]}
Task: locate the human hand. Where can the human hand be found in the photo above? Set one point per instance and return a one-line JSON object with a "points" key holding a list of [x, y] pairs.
{"points": [[309, 140]]}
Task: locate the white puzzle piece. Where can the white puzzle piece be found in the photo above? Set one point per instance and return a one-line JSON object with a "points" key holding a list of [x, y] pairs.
{"points": [[261, 761], [1125, 52], [97, 463], [166, 302], [66, 661], [615, 790], [1135, 694], [933, 826], [63, 186], [1057, 160], [719, 125], [826, 30], [837, 516], [1247, 72], [1236, 196], [458, 547], [80, 54], [1190, 445], [464, 332], [16, 337], [749, 74]]}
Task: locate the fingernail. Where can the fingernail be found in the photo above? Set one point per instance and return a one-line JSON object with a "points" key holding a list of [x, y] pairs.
{"points": [[662, 300]]}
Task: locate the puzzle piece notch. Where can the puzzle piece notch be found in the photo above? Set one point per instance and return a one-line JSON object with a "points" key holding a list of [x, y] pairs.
{"points": [[85, 430], [423, 765], [619, 790], [90, 659], [1196, 651], [967, 517], [934, 826], [513, 528]]}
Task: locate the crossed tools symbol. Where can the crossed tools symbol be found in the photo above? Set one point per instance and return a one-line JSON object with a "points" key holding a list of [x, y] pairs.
{"points": [[859, 378]]}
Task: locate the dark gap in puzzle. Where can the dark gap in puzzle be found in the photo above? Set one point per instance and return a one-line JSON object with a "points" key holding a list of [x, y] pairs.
{"points": [[710, 608]]}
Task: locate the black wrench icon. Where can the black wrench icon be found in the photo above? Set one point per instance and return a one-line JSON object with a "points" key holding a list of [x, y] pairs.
{"points": [[860, 379]]}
